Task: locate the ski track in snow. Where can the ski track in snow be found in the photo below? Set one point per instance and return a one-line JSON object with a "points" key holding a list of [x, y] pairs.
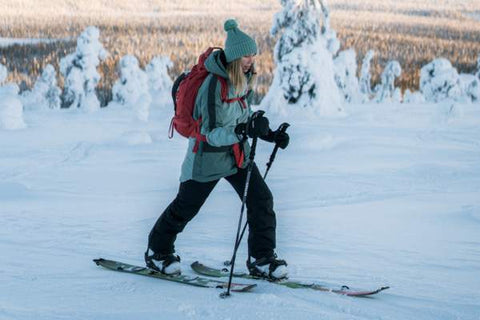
{"points": [[385, 196]]}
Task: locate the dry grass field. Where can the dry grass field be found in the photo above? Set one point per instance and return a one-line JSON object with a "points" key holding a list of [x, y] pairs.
{"points": [[407, 31]]}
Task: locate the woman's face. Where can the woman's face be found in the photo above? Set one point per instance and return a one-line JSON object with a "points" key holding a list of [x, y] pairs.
{"points": [[247, 62]]}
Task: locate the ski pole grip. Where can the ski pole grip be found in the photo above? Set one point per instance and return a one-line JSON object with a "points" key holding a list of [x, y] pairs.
{"points": [[258, 114], [283, 127]]}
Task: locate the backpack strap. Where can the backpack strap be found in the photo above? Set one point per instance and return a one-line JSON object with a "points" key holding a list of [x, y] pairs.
{"points": [[212, 114], [212, 119], [224, 94]]}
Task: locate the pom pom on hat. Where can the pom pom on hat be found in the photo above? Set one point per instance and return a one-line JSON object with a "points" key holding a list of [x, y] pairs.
{"points": [[230, 24], [238, 43]]}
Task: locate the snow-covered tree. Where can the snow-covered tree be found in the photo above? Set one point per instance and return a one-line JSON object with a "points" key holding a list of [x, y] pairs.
{"points": [[80, 71], [478, 68], [439, 81], [470, 87], [45, 93], [159, 80], [366, 77], [304, 74], [345, 66], [11, 108], [413, 97], [132, 89], [386, 90], [157, 71], [333, 44], [3, 73]]}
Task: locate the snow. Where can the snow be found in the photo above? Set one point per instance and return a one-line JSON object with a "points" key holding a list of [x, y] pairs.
{"points": [[160, 81], [413, 97], [386, 91], [439, 81], [45, 93], [132, 89], [6, 42], [365, 77], [11, 108], [386, 195], [80, 71], [345, 65], [3, 73], [470, 86], [366, 195], [304, 76]]}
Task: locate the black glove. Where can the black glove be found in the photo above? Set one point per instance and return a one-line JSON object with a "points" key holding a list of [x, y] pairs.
{"points": [[280, 138], [255, 127]]}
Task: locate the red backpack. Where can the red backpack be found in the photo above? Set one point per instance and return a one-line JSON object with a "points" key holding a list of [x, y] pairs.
{"points": [[184, 93]]}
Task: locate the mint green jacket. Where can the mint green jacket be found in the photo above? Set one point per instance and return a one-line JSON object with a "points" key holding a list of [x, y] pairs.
{"points": [[209, 164]]}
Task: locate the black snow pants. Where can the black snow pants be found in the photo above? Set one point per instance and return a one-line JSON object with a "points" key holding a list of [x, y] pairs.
{"points": [[192, 195]]}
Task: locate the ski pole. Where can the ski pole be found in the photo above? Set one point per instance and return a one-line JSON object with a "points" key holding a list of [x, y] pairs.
{"points": [[244, 202], [282, 128]]}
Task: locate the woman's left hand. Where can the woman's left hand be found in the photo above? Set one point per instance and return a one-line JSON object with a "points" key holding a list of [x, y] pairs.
{"points": [[280, 138]]}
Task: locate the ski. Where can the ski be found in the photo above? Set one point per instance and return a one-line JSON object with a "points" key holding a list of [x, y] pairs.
{"points": [[343, 290], [192, 281]]}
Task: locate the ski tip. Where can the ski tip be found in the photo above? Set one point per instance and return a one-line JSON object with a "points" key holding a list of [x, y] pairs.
{"points": [[237, 288], [195, 264], [244, 289], [367, 293], [98, 261], [381, 289]]}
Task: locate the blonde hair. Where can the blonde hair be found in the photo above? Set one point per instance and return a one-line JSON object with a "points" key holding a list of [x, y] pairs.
{"points": [[237, 77]]}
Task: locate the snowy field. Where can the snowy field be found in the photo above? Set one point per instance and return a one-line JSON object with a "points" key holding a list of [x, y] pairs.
{"points": [[388, 195]]}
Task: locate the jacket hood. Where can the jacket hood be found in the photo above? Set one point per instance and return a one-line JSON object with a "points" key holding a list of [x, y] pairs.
{"points": [[216, 64]]}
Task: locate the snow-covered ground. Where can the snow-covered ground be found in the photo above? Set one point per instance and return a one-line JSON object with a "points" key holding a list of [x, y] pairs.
{"points": [[388, 195]]}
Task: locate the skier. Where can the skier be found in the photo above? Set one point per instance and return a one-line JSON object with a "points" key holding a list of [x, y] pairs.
{"points": [[224, 154]]}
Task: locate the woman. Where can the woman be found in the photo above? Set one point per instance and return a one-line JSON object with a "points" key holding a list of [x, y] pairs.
{"points": [[226, 122]]}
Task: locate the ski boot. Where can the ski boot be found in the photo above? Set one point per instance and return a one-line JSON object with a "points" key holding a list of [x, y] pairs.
{"points": [[269, 268], [168, 264]]}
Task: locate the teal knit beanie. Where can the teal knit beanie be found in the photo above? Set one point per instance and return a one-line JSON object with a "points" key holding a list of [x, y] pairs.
{"points": [[238, 43]]}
